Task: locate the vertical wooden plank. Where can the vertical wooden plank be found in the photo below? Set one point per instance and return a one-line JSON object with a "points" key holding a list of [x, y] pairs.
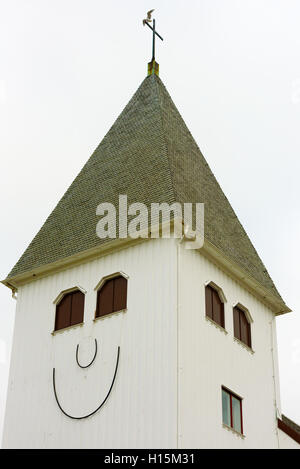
{"points": [[63, 313], [105, 299], [77, 307], [120, 293], [222, 315], [244, 328], [236, 323], [217, 307], [208, 302], [249, 335]]}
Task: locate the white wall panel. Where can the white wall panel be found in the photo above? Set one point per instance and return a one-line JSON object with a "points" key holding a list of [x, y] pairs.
{"points": [[210, 358], [141, 410], [173, 361]]}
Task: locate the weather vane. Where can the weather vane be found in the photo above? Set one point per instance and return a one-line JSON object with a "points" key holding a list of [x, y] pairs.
{"points": [[153, 67]]}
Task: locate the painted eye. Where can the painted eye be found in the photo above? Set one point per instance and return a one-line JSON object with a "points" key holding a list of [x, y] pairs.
{"points": [[93, 359]]}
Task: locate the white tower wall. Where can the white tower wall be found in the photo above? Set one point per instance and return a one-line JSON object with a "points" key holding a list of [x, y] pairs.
{"points": [[141, 410], [173, 360]]}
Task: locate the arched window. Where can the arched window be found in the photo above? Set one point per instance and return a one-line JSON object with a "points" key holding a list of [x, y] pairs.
{"points": [[214, 305], [112, 296], [69, 311], [241, 324]]}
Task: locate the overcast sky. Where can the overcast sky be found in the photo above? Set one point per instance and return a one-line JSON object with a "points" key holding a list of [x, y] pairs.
{"points": [[68, 68]]}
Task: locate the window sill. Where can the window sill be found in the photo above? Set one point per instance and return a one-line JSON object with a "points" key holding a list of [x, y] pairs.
{"points": [[67, 328], [218, 326], [235, 432], [238, 341], [99, 318]]}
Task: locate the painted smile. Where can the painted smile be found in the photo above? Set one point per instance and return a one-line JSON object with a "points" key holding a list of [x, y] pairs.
{"points": [[86, 366]]}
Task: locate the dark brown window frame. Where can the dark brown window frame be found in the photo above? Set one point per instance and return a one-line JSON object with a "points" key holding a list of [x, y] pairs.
{"points": [[237, 330], [111, 296], [214, 292], [71, 322], [240, 399]]}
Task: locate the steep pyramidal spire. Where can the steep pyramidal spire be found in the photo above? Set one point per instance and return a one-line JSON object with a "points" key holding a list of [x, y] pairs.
{"points": [[150, 155]]}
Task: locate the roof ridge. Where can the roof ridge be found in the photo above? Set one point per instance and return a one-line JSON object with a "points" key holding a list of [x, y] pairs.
{"points": [[158, 82]]}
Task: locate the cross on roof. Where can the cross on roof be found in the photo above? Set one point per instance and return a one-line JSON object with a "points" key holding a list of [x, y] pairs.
{"points": [[155, 33]]}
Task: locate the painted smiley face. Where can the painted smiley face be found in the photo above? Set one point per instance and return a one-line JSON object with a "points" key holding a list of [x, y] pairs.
{"points": [[84, 367]]}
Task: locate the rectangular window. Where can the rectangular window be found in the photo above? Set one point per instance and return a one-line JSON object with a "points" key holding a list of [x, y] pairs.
{"points": [[232, 410]]}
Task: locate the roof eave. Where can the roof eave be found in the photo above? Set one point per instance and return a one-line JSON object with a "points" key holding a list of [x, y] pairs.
{"points": [[271, 300], [209, 250], [14, 282]]}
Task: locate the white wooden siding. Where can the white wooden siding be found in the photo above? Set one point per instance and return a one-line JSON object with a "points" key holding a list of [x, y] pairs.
{"points": [[141, 410], [173, 361], [210, 358]]}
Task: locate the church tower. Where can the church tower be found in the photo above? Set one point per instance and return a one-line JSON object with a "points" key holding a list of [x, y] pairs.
{"points": [[143, 342]]}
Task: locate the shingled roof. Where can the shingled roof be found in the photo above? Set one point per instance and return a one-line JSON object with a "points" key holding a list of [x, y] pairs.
{"points": [[150, 155]]}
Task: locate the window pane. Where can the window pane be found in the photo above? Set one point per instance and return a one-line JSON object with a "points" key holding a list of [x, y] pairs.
{"points": [[226, 407], [236, 414]]}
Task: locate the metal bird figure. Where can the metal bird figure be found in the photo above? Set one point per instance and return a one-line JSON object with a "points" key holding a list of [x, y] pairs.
{"points": [[148, 19]]}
